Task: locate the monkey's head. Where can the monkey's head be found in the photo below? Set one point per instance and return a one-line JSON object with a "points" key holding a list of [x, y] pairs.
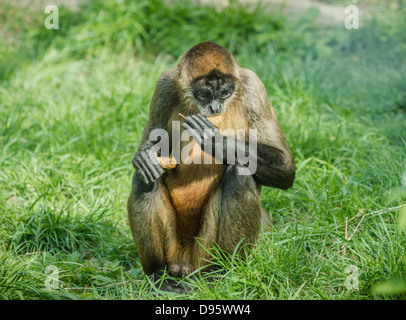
{"points": [[208, 75]]}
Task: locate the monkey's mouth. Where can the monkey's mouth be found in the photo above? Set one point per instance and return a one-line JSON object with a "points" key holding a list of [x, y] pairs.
{"points": [[213, 113]]}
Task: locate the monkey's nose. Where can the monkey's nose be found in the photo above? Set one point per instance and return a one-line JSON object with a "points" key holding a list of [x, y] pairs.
{"points": [[215, 107]]}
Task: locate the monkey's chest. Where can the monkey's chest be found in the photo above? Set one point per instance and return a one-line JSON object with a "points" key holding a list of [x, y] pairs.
{"points": [[193, 181], [190, 188]]}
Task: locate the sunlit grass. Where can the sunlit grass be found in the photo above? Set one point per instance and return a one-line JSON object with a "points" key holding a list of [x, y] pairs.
{"points": [[73, 103]]}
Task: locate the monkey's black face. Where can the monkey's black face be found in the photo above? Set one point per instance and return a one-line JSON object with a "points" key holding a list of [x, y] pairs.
{"points": [[211, 92]]}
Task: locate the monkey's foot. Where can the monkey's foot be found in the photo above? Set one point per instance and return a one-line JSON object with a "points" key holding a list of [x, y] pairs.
{"points": [[168, 284], [179, 270]]}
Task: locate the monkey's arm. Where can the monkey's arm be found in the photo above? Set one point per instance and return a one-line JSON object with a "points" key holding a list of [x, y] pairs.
{"points": [[272, 168], [164, 97], [148, 169], [275, 164]]}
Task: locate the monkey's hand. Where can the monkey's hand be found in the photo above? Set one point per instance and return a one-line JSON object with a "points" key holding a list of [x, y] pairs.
{"points": [[149, 169], [201, 130], [209, 137]]}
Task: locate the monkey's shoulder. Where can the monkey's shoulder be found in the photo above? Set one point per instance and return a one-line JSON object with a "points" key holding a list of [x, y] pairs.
{"points": [[251, 83], [167, 77], [166, 83], [165, 93], [253, 95]]}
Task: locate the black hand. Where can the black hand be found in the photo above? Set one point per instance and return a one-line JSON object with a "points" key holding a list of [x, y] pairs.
{"points": [[201, 129], [148, 170]]}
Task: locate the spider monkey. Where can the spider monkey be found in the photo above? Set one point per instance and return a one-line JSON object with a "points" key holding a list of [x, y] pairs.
{"points": [[176, 213]]}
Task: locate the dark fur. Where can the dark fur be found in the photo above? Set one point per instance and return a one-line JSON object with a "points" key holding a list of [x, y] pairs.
{"points": [[210, 202]]}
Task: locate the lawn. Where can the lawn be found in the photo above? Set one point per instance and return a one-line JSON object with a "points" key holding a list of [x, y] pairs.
{"points": [[73, 104]]}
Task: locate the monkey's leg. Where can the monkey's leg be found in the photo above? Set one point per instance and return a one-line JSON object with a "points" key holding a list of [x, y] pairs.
{"points": [[152, 223], [232, 214], [240, 210]]}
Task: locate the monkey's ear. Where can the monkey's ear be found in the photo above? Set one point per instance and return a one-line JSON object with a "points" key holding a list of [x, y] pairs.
{"points": [[179, 71]]}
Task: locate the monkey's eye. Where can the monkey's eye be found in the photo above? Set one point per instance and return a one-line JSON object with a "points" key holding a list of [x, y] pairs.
{"points": [[225, 95], [203, 96]]}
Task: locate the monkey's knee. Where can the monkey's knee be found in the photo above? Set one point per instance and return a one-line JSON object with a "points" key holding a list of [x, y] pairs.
{"points": [[239, 192], [148, 237], [148, 214], [142, 189], [240, 210], [147, 197], [235, 183]]}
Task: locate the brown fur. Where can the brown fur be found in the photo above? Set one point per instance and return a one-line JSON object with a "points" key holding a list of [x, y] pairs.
{"points": [[202, 59], [199, 180], [176, 220]]}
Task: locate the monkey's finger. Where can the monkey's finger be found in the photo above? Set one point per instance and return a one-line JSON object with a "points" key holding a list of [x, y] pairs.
{"points": [[159, 168], [192, 122], [193, 128], [209, 130], [196, 136], [201, 122], [205, 122], [141, 172], [144, 169], [145, 177], [152, 168], [154, 164], [155, 169], [135, 163], [153, 160]]}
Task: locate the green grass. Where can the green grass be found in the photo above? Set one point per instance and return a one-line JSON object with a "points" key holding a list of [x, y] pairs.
{"points": [[73, 103]]}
